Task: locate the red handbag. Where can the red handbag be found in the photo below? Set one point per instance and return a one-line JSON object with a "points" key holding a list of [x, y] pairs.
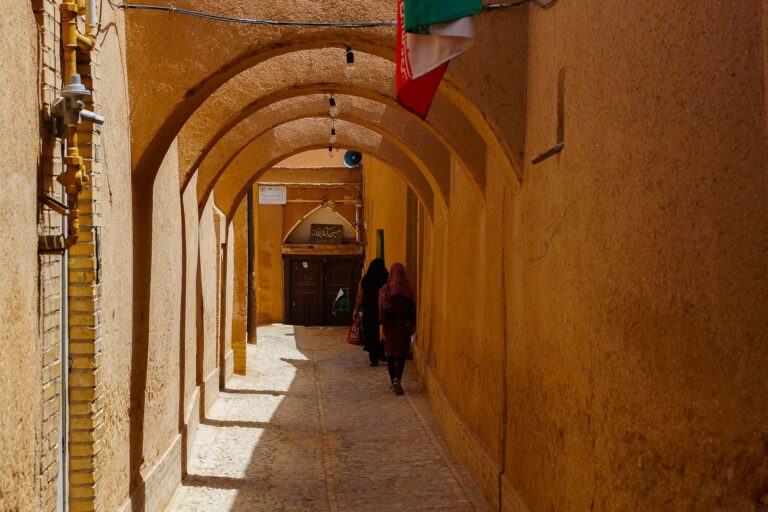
{"points": [[355, 333]]}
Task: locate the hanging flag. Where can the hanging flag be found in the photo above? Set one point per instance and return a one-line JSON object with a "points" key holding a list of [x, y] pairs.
{"points": [[430, 34]]}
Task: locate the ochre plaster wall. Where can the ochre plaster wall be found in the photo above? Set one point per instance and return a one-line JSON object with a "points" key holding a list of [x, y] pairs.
{"points": [[317, 174], [269, 243], [227, 301], [220, 229], [385, 208], [240, 285], [645, 316], [188, 342], [630, 315], [208, 320], [460, 339], [117, 241], [149, 459], [316, 158], [161, 423], [20, 390]]}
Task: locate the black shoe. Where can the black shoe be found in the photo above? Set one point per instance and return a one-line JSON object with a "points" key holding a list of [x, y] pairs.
{"points": [[374, 364], [398, 388]]}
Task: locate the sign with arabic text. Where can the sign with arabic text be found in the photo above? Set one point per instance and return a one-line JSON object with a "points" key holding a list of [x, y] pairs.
{"points": [[326, 234]]}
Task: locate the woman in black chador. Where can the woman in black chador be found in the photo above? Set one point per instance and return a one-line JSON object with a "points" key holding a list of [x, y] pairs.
{"points": [[376, 277]]}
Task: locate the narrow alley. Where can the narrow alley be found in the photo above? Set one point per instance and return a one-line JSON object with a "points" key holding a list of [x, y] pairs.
{"points": [[312, 428], [227, 224]]}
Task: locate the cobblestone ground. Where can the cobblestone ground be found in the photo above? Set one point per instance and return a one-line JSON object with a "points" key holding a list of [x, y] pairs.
{"points": [[313, 428]]}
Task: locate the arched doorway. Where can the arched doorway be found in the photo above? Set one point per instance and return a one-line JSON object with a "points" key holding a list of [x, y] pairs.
{"points": [[322, 263]]}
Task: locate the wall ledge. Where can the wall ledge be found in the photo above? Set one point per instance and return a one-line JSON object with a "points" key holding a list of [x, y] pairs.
{"points": [[210, 391], [189, 429], [481, 467], [160, 483], [229, 367]]}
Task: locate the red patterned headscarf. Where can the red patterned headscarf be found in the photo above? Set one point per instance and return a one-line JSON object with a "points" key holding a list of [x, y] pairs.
{"points": [[397, 285]]}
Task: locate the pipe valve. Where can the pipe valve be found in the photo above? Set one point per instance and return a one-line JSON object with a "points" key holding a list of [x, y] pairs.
{"points": [[70, 106], [93, 117]]}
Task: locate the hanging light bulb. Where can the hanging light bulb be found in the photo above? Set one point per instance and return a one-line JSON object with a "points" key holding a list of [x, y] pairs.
{"points": [[334, 138], [350, 71], [334, 109], [330, 152]]}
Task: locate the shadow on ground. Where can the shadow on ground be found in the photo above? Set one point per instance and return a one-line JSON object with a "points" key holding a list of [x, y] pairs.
{"points": [[313, 428]]}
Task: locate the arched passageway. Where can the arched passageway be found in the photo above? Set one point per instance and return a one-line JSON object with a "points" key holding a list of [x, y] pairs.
{"points": [[157, 128], [282, 142], [369, 114], [581, 214]]}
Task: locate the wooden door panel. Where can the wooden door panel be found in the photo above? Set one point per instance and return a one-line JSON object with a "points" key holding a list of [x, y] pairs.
{"points": [[312, 285], [305, 294]]}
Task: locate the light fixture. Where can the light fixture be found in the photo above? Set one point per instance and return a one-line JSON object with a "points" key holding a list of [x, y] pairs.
{"points": [[334, 109], [330, 152], [334, 138], [350, 71]]}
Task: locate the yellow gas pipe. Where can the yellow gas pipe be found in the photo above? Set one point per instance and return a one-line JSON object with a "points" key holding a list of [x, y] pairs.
{"points": [[75, 175]]}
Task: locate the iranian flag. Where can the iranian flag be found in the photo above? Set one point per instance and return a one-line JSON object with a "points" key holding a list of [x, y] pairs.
{"points": [[430, 34]]}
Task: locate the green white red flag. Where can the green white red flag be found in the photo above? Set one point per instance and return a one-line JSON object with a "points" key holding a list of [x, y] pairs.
{"points": [[430, 34]]}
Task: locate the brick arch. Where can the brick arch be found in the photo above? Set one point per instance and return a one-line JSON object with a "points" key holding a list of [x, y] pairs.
{"points": [[410, 139], [153, 132], [239, 104], [296, 136]]}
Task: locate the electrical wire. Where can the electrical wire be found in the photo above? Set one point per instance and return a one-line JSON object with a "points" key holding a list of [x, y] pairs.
{"points": [[249, 21], [283, 23]]}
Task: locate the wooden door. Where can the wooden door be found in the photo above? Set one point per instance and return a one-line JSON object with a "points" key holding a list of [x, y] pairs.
{"points": [[305, 299], [312, 285]]}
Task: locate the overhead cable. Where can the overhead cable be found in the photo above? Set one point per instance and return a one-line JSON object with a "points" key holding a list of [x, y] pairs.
{"points": [[249, 21], [285, 23]]}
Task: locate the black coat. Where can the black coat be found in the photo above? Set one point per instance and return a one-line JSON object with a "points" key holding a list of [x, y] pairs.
{"points": [[376, 277]]}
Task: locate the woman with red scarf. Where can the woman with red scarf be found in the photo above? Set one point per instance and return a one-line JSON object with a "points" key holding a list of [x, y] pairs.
{"points": [[397, 314]]}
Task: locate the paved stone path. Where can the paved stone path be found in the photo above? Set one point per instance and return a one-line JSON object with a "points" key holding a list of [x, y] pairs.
{"points": [[313, 428]]}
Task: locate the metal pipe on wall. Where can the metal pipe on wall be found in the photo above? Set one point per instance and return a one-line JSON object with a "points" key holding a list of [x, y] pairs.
{"points": [[91, 22], [70, 106], [63, 482], [74, 176]]}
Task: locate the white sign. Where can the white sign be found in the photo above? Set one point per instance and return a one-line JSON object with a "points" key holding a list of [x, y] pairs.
{"points": [[272, 195]]}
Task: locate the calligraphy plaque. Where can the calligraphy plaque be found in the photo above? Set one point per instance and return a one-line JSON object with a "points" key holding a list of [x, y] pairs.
{"points": [[326, 234]]}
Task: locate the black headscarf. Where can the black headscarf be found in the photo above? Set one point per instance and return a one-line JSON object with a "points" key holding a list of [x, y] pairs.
{"points": [[376, 277]]}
